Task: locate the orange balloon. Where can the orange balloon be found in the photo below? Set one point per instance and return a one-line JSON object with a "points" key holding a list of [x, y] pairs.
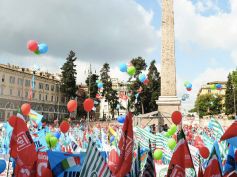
{"points": [[25, 109], [64, 126], [72, 105], [176, 117], [88, 104]]}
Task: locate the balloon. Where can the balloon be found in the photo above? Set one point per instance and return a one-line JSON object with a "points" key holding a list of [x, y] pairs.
{"points": [[3, 165], [189, 89], [64, 126], [186, 83], [212, 86], [57, 134], [72, 105], [123, 67], [142, 77], [121, 119], [176, 117], [12, 120], [32, 45], [173, 129], [146, 82], [37, 52], [53, 141], [218, 86], [47, 172], [171, 143], [131, 70], [100, 85], [111, 139], [170, 132], [113, 160], [25, 109], [43, 48], [189, 86], [204, 152], [158, 154], [47, 137], [167, 134], [88, 104]]}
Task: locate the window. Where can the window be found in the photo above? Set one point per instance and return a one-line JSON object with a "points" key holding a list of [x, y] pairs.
{"points": [[3, 77], [46, 86], [12, 79], [57, 99], [52, 98], [41, 85], [33, 95], [62, 99], [27, 83], [26, 94], [20, 81], [57, 88], [39, 96], [52, 87], [10, 91], [46, 97], [19, 93]]}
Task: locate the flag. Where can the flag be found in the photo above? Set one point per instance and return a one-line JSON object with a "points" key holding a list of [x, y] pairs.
{"points": [[34, 116], [33, 82], [22, 145], [230, 164], [232, 141], [181, 158], [94, 164], [213, 168], [136, 166], [126, 148], [149, 169], [230, 132], [42, 163], [39, 140], [65, 164], [231, 174], [200, 171]]}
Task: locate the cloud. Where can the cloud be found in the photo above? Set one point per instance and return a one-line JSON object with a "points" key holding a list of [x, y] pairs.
{"points": [[105, 30]]}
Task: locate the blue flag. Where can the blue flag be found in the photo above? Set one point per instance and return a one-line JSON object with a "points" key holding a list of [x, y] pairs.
{"points": [[39, 140], [230, 164]]}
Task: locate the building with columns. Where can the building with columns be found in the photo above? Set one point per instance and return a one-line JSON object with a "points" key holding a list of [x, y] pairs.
{"points": [[16, 89]]}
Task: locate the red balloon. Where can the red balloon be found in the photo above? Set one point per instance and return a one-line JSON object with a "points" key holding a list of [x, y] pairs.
{"points": [[176, 117], [25, 109], [88, 104], [113, 160], [12, 120], [189, 89], [204, 152], [32, 45], [64, 126], [47, 172], [72, 105], [146, 82]]}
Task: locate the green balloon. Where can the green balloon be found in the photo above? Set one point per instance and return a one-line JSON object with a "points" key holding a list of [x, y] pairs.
{"points": [[131, 70], [158, 154], [167, 134], [170, 132], [37, 52], [173, 129], [53, 141], [171, 143], [47, 137], [186, 83], [213, 86]]}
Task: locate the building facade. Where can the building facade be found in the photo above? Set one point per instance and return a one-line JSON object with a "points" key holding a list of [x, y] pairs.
{"points": [[206, 89], [122, 91], [40, 89]]}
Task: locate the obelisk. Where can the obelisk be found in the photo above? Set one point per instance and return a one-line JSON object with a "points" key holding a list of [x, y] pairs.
{"points": [[168, 102]]}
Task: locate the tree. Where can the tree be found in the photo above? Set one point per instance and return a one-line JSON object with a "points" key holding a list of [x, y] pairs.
{"points": [[68, 79], [231, 93], [109, 93], [92, 85], [208, 104], [81, 96]]}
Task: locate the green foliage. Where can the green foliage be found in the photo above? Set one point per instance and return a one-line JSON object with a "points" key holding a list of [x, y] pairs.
{"points": [[208, 104], [231, 93], [68, 79], [92, 85]]}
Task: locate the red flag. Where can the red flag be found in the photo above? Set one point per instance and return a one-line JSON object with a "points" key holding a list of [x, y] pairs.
{"points": [[22, 145], [42, 163], [200, 172], [213, 168], [231, 174], [126, 148], [181, 158], [22, 170], [230, 132]]}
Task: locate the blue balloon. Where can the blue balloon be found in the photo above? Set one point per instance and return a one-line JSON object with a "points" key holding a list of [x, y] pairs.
{"points": [[43, 48], [189, 86], [121, 119], [218, 86], [3, 165], [111, 139], [100, 85], [142, 77], [123, 67], [57, 135]]}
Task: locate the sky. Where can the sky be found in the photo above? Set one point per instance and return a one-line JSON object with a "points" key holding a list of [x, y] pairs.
{"points": [[115, 31]]}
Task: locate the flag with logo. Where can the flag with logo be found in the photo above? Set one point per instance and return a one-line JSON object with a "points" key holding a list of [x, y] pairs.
{"points": [[22, 145], [126, 148], [149, 169], [65, 164], [181, 158], [34, 116], [41, 164], [39, 140], [94, 164], [213, 167]]}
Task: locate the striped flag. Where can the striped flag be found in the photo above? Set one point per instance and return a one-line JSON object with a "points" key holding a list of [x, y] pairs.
{"points": [[94, 164], [149, 169], [136, 166]]}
